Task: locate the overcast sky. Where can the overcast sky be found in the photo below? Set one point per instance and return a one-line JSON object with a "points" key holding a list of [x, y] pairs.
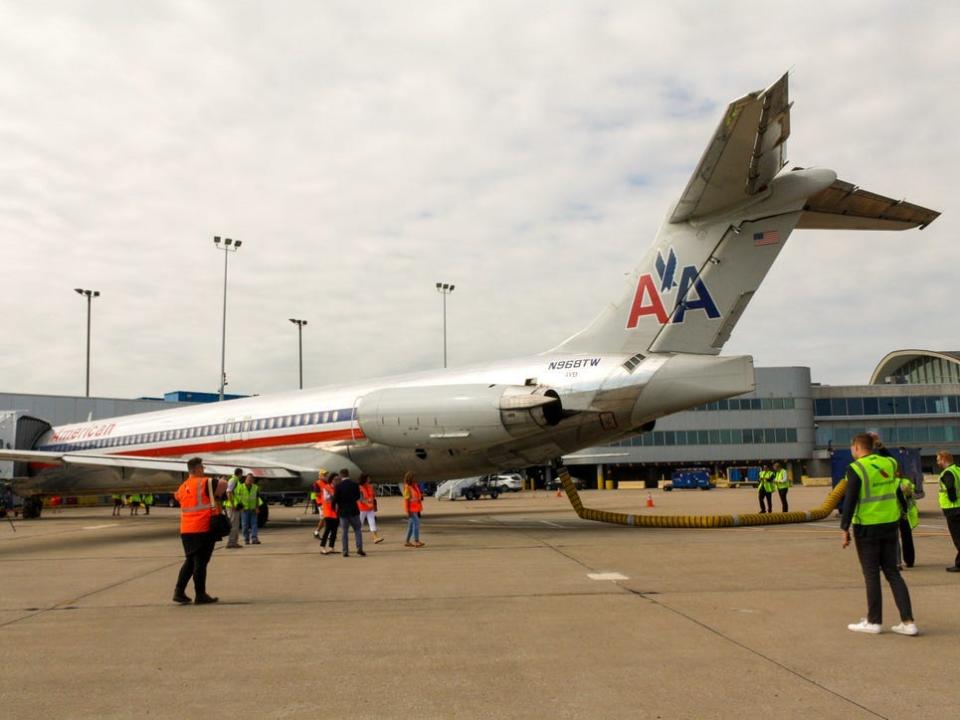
{"points": [[362, 151]]}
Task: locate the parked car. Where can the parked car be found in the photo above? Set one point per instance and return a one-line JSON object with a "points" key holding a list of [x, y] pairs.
{"points": [[485, 485], [470, 488], [554, 483], [512, 482]]}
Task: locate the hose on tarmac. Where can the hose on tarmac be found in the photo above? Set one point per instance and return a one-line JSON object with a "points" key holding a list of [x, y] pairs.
{"points": [[700, 521]]}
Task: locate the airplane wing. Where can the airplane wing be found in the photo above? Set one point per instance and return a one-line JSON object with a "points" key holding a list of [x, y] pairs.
{"points": [[746, 152], [844, 206], [217, 466]]}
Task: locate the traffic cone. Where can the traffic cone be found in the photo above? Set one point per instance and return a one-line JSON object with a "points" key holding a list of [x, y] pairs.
{"points": [[558, 491], [649, 500]]}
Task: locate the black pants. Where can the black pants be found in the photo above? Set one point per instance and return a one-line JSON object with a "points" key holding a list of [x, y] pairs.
{"points": [[768, 498], [330, 526], [876, 554], [198, 548], [906, 542], [347, 522], [953, 525], [783, 498]]}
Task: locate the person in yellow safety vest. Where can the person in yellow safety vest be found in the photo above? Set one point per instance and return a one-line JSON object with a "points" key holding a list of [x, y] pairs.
{"points": [[949, 498], [873, 505], [782, 483], [909, 519], [117, 505], [247, 495], [765, 489], [146, 500], [233, 514], [135, 504]]}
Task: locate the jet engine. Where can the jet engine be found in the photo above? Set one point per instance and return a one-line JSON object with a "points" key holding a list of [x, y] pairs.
{"points": [[456, 416]]}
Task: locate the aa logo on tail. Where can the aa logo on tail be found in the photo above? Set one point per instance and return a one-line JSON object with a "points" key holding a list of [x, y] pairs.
{"points": [[690, 294]]}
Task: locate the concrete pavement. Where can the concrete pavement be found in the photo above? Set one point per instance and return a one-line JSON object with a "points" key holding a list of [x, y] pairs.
{"points": [[497, 617]]}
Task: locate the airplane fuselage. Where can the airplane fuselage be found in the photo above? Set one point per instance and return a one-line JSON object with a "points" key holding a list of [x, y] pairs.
{"points": [[440, 424]]}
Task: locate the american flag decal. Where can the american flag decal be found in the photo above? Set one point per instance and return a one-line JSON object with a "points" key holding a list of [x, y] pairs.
{"points": [[769, 237]]}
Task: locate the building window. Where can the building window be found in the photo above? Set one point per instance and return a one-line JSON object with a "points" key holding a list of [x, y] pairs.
{"points": [[855, 406], [871, 406]]}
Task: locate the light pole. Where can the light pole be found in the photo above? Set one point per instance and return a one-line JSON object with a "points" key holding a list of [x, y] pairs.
{"points": [[91, 294], [444, 289], [228, 247], [300, 324]]}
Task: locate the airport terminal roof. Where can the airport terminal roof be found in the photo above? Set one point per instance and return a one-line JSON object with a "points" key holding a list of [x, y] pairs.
{"points": [[918, 367]]}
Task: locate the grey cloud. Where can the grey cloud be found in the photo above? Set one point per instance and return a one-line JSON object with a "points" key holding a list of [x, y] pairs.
{"points": [[364, 151]]}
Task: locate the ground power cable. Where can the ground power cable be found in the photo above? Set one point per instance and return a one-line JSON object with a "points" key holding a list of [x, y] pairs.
{"points": [[700, 521]]}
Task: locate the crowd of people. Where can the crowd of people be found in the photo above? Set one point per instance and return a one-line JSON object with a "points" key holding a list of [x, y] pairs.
{"points": [[345, 505], [134, 502], [879, 507]]}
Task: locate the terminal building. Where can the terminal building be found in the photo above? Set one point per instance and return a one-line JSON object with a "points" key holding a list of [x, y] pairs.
{"points": [[912, 400]]}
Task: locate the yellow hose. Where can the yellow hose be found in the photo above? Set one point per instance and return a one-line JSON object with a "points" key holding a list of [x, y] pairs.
{"points": [[700, 521]]}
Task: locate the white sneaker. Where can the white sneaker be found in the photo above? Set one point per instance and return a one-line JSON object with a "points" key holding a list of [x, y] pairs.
{"points": [[865, 627], [906, 628]]}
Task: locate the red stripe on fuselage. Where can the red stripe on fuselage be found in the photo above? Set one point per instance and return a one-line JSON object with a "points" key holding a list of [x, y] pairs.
{"points": [[261, 442]]}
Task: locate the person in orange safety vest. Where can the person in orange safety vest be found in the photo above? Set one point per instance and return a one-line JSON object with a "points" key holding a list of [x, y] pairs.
{"points": [[197, 505], [413, 506], [318, 492], [368, 506], [330, 522]]}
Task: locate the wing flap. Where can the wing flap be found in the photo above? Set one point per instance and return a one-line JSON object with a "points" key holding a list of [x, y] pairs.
{"points": [[844, 206]]}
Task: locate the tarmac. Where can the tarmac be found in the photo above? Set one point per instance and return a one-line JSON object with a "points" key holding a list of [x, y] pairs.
{"points": [[514, 609]]}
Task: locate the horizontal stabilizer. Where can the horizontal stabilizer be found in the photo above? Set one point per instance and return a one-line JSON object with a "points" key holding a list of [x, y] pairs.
{"points": [[844, 206]]}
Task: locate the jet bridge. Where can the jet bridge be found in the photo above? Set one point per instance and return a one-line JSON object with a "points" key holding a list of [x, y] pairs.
{"points": [[19, 431]]}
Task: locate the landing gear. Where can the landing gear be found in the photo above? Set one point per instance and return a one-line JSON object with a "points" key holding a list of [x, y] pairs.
{"points": [[32, 507], [263, 515]]}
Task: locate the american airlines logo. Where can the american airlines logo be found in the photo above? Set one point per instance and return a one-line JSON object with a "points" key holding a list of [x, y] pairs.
{"points": [[690, 292]]}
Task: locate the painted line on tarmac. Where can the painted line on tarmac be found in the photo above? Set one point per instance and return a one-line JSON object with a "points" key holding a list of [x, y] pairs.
{"points": [[648, 596], [753, 651], [613, 576], [99, 527], [70, 603], [553, 524]]}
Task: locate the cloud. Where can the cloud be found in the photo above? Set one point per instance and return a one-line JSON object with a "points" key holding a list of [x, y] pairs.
{"points": [[362, 152]]}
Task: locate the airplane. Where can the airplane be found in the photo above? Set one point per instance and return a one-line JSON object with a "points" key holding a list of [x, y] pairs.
{"points": [[654, 350]]}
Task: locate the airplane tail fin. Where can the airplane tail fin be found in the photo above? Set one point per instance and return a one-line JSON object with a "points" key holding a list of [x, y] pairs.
{"points": [[726, 231]]}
